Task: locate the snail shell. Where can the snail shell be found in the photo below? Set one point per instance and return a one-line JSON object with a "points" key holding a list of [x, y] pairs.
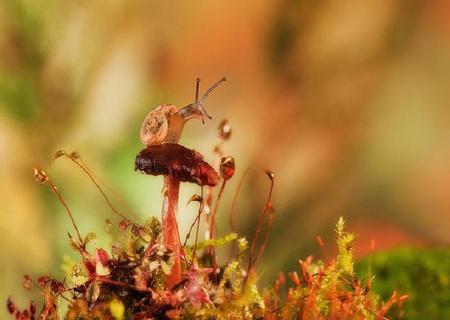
{"points": [[155, 127]]}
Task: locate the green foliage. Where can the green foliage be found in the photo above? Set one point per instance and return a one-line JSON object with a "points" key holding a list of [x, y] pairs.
{"points": [[218, 242], [328, 290], [145, 276], [423, 274], [129, 282], [344, 261]]}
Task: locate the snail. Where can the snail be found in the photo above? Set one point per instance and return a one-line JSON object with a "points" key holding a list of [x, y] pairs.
{"points": [[165, 123]]}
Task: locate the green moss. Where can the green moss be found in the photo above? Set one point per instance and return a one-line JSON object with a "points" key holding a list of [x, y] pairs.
{"points": [[423, 274]]}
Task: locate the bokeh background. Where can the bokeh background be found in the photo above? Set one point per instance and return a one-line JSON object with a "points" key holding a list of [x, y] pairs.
{"points": [[346, 101]]}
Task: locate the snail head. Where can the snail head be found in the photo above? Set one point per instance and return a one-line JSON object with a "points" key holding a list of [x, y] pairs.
{"points": [[196, 110]]}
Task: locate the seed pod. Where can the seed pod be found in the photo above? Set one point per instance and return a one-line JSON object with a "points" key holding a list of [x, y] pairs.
{"points": [[227, 167], [40, 176], [270, 174], [196, 198]]}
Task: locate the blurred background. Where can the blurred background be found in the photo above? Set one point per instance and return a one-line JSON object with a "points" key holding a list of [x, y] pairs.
{"points": [[347, 102]]}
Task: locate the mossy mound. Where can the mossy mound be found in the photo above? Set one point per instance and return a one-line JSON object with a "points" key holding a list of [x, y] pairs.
{"points": [[423, 274]]}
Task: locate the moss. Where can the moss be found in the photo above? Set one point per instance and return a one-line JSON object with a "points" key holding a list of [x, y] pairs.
{"points": [[423, 274]]}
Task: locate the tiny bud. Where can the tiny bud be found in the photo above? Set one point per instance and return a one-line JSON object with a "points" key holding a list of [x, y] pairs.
{"points": [[32, 308], [40, 176], [108, 225], [101, 256], [227, 168], [10, 306], [26, 281], [196, 198], [295, 279], [136, 230], [59, 154], [42, 281], [56, 286], [224, 131], [123, 225], [270, 174], [319, 241], [74, 155], [290, 294]]}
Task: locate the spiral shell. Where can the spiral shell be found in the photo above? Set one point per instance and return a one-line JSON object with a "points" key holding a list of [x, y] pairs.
{"points": [[155, 127]]}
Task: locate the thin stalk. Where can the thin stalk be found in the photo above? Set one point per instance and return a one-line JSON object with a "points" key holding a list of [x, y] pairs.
{"points": [[214, 213], [267, 207], [233, 210], [197, 218], [196, 222], [171, 238], [69, 212], [211, 250], [88, 173], [207, 210], [234, 201], [110, 188], [200, 210], [209, 196]]}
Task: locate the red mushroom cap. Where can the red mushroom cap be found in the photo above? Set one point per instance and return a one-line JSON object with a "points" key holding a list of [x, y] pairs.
{"points": [[177, 161]]}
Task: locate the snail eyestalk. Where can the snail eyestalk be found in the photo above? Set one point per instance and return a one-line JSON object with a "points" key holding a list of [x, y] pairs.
{"points": [[196, 109], [214, 86], [197, 89]]}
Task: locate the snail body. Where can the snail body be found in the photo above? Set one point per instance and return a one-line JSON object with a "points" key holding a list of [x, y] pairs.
{"points": [[165, 123]]}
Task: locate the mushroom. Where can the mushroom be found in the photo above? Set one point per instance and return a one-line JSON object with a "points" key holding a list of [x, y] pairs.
{"points": [[163, 155]]}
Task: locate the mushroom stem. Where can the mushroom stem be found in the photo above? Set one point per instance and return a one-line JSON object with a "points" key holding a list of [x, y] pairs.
{"points": [[171, 239]]}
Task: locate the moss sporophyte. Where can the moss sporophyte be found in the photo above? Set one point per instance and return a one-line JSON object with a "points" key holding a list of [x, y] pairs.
{"points": [[149, 274]]}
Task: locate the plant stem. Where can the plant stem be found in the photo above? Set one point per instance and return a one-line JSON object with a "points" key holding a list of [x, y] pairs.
{"points": [[171, 239]]}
